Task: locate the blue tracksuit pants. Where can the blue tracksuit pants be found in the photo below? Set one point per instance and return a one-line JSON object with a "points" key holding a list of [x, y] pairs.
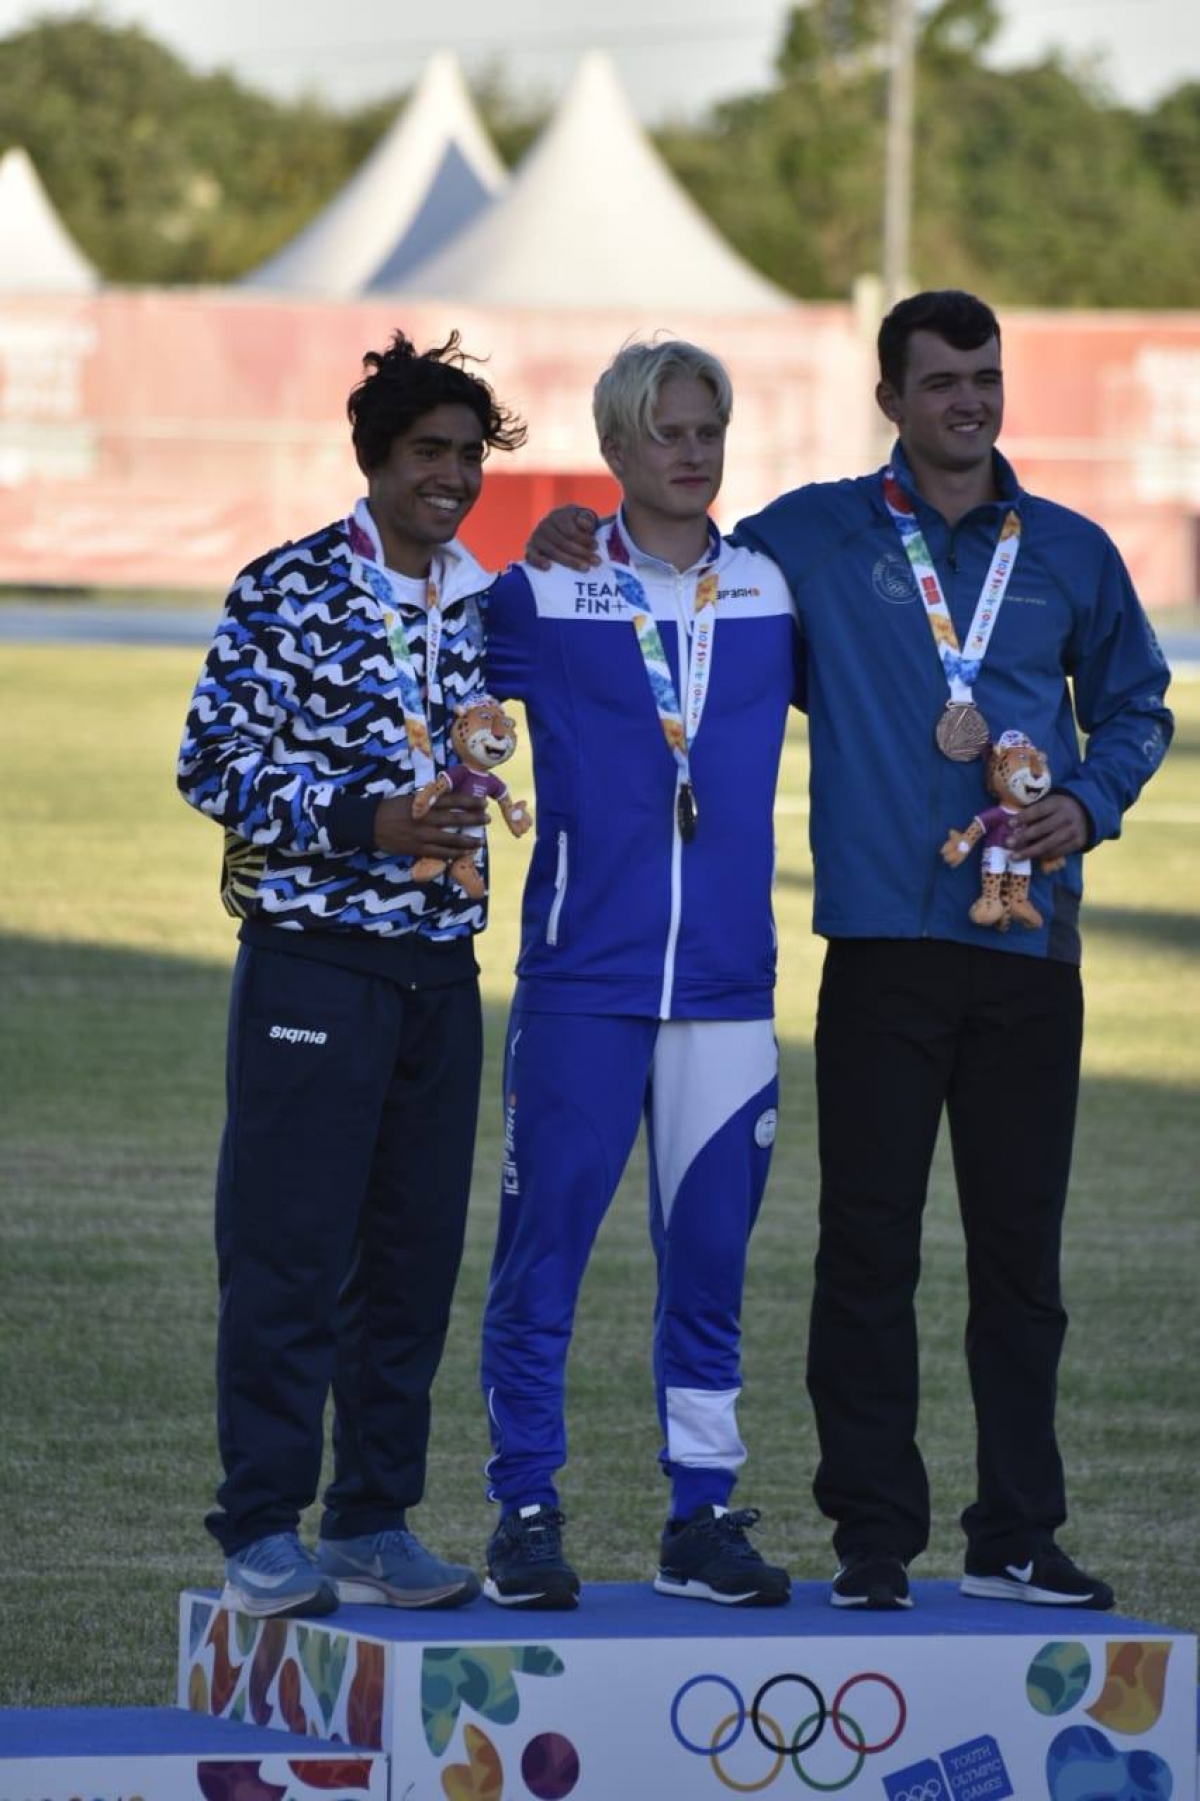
{"points": [[576, 1088]]}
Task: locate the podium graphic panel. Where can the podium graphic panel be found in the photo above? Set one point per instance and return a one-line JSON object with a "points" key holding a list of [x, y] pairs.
{"points": [[637, 1696]]}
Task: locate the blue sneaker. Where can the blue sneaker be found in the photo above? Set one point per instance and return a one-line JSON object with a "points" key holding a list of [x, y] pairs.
{"points": [[393, 1569], [276, 1575], [708, 1557]]}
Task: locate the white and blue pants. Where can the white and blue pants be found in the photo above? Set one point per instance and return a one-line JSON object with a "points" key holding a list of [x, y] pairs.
{"points": [[575, 1090]]}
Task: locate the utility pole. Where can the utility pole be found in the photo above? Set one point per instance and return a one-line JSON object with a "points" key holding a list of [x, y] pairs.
{"points": [[897, 186]]}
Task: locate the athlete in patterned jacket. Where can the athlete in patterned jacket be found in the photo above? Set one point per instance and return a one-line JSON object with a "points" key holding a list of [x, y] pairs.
{"points": [[657, 693], [355, 1038]]}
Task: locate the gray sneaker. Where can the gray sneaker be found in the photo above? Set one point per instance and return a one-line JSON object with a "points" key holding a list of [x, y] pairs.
{"points": [[276, 1575], [393, 1569]]}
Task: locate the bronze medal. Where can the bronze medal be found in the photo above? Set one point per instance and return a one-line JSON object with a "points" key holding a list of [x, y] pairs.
{"points": [[962, 732], [685, 812]]}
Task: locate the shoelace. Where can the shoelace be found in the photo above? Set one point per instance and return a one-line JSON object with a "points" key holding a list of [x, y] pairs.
{"points": [[396, 1541], [539, 1538], [277, 1552], [731, 1529]]}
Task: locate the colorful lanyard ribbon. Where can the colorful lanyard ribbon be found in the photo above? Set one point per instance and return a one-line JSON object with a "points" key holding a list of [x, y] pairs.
{"points": [[412, 702], [961, 666], [679, 732]]}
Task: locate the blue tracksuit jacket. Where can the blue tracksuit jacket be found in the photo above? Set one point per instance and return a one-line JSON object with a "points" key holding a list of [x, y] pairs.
{"points": [[1071, 648], [620, 916]]}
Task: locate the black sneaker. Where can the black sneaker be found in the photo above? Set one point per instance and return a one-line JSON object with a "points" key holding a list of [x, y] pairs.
{"points": [[1048, 1578], [709, 1558], [526, 1566], [871, 1579]]}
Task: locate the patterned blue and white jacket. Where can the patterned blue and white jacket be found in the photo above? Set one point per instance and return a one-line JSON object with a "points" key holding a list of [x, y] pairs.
{"points": [[296, 733]]}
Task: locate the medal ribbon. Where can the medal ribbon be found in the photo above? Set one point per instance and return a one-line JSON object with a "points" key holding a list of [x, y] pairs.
{"points": [[678, 731], [961, 666], [412, 702]]}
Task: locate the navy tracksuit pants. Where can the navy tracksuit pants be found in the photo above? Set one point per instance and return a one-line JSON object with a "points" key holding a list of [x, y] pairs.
{"points": [[576, 1088], [342, 1195]]}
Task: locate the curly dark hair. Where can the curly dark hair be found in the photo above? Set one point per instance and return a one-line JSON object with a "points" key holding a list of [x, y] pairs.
{"points": [[403, 383], [958, 317]]}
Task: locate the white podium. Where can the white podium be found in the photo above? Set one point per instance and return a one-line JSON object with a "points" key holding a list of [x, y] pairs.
{"points": [[640, 1697]]}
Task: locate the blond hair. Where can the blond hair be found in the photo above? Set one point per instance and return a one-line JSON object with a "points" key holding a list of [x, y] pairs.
{"points": [[625, 398]]}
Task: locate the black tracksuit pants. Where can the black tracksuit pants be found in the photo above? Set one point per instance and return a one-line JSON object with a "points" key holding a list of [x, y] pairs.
{"points": [[905, 1029], [342, 1195]]}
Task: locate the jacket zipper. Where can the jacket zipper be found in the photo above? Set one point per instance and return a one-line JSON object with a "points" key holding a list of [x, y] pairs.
{"points": [[560, 890], [668, 987]]}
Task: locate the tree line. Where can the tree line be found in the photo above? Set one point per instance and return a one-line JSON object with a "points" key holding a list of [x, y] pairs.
{"points": [[1034, 185]]}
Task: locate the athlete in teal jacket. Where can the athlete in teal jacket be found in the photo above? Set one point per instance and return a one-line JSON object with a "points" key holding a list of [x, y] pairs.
{"points": [[883, 796], [920, 1009]]}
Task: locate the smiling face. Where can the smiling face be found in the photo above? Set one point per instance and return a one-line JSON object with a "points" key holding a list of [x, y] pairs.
{"points": [[950, 408], [675, 475], [426, 487]]}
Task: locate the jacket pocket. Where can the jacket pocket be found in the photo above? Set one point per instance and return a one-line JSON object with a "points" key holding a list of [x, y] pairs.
{"points": [[561, 877]]}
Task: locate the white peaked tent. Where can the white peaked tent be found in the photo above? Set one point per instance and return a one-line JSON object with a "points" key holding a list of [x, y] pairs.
{"points": [[430, 174], [37, 253], [593, 219]]}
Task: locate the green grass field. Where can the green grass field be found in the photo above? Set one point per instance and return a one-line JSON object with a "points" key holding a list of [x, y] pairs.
{"points": [[114, 957]]}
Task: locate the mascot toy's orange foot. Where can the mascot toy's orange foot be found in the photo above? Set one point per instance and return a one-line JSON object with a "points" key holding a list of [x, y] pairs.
{"points": [[1017, 775], [482, 735]]}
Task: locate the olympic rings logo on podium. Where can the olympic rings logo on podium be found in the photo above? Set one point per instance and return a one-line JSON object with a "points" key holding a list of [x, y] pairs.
{"points": [[932, 1790], [729, 1729]]}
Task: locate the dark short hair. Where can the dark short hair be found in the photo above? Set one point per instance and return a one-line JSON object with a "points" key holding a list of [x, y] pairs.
{"points": [[402, 384], [961, 319]]}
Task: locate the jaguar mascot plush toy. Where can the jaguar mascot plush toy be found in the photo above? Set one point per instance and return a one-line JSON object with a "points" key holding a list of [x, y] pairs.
{"points": [[1017, 774], [483, 735]]}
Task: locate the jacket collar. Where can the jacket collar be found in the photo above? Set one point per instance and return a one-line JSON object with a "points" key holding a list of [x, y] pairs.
{"points": [[1008, 489], [457, 570], [715, 552]]}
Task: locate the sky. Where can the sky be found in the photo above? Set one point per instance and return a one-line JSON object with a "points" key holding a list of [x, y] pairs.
{"points": [[675, 56]]}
